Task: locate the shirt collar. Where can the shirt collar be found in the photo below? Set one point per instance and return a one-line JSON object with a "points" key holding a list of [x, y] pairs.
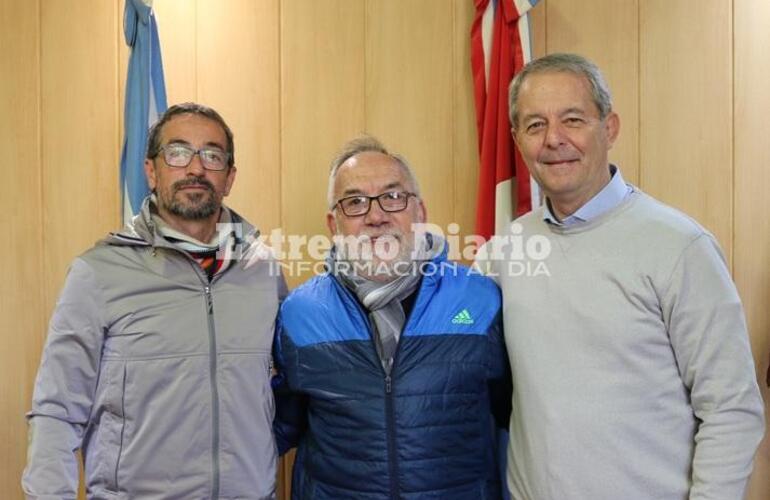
{"points": [[605, 200]]}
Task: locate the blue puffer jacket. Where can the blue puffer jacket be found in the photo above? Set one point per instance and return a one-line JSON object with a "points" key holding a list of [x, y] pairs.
{"points": [[425, 432]]}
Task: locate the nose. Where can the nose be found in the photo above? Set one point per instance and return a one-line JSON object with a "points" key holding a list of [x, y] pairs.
{"points": [[376, 215], [554, 135], [195, 167]]}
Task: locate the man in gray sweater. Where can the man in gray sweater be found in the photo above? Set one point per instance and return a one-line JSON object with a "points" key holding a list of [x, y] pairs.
{"points": [[633, 375]]}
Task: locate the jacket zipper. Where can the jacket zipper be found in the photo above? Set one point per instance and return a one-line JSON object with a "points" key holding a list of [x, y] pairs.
{"points": [[215, 469], [390, 422], [390, 418], [214, 394]]}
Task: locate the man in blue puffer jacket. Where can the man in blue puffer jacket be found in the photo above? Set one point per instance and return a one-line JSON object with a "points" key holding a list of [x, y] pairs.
{"points": [[392, 369]]}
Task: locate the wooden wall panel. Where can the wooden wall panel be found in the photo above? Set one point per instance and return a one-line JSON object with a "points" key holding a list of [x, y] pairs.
{"points": [[322, 96], [465, 151], [606, 31], [178, 32], [79, 131], [123, 55], [686, 109], [238, 75], [538, 22], [22, 322], [752, 178], [409, 67]]}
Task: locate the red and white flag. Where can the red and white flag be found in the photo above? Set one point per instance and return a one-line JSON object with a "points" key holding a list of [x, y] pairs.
{"points": [[500, 47]]}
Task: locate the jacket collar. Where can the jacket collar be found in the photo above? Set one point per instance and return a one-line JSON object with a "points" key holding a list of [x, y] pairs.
{"points": [[142, 231]]}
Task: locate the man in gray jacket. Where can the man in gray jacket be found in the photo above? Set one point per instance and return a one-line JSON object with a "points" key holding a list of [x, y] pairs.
{"points": [[157, 364]]}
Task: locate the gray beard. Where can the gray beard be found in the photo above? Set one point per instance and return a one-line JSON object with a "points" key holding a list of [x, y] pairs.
{"points": [[377, 269]]}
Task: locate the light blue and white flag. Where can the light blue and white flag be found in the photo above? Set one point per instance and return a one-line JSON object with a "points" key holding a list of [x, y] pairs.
{"points": [[145, 100]]}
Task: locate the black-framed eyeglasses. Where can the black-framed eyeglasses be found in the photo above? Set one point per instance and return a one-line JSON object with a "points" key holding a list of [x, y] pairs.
{"points": [[180, 155], [392, 201]]}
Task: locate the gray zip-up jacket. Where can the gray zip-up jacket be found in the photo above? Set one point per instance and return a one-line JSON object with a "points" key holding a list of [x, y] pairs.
{"points": [[160, 377]]}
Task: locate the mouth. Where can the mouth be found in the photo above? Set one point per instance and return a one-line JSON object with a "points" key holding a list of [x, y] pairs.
{"points": [[193, 185], [383, 237], [560, 163]]}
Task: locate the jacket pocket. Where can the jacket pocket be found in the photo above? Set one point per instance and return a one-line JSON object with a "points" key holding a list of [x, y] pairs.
{"points": [[106, 446]]}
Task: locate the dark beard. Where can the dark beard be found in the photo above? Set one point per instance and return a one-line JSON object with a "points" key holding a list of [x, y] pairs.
{"points": [[194, 209]]}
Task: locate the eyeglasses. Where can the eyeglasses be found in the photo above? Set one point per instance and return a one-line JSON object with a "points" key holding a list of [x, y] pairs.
{"points": [[392, 201], [180, 156]]}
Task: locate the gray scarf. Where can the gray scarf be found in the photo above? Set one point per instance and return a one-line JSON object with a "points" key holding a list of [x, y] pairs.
{"points": [[383, 299]]}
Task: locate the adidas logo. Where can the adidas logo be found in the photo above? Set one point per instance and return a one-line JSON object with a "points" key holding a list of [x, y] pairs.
{"points": [[463, 318]]}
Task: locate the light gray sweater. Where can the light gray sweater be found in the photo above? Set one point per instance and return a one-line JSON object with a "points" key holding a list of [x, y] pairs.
{"points": [[633, 374]]}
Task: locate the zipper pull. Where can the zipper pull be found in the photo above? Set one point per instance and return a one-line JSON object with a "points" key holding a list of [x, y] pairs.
{"points": [[388, 385], [209, 302]]}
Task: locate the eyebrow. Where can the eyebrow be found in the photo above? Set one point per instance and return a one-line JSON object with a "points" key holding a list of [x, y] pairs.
{"points": [[356, 191], [577, 111], [573, 110], [186, 143], [530, 117]]}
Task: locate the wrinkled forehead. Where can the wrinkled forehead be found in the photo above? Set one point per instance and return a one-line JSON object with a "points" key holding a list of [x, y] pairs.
{"points": [[554, 91], [193, 129], [370, 173]]}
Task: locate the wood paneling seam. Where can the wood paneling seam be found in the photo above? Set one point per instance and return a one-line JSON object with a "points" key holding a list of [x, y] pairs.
{"points": [[364, 79], [638, 138], [731, 263], [452, 116], [43, 290], [281, 183], [118, 114], [197, 52]]}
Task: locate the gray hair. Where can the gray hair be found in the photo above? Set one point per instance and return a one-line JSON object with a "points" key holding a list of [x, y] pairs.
{"points": [[366, 144], [571, 63]]}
